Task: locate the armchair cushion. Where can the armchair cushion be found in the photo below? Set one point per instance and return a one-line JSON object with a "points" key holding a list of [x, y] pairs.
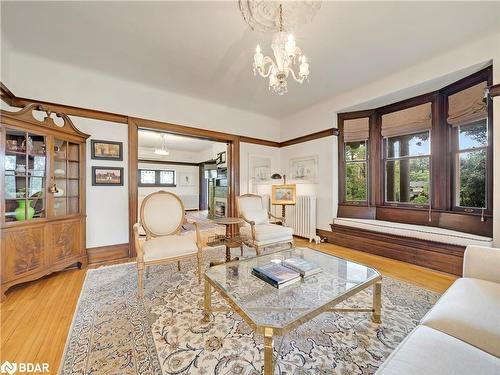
{"points": [[168, 247], [482, 263], [268, 232], [430, 352], [469, 311], [259, 216]]}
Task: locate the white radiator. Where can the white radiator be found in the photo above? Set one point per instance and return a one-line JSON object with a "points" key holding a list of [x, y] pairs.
{"points": [[301, 217]]}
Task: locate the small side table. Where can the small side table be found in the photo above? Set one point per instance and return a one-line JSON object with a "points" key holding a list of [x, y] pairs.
{"points": [[231, 240]]}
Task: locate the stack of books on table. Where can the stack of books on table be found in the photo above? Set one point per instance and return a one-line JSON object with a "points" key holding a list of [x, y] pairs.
{"points": [[287, 272]]}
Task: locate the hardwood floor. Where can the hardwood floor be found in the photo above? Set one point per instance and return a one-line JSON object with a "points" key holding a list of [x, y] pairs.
{"points": [[36, 317]]}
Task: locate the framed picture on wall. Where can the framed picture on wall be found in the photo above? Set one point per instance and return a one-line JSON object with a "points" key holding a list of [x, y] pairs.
{"points": [[107, 176], [106, 150], [186, 179], [304, 169], [259, 169], [284, 194]]}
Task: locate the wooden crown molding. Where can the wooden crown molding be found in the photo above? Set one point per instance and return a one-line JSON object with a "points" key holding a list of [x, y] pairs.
{"points": [[8, 97], [494, 90]]}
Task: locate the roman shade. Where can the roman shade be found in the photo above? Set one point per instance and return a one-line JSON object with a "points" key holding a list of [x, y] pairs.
{"points": [[467, 105], [407, 121], [356, 130]]}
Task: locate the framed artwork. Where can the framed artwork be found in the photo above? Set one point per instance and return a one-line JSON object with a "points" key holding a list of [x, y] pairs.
{"points": [[259, 168], [107, 176], [186, 179], [284, 194], [304, 169], [106, 150]]}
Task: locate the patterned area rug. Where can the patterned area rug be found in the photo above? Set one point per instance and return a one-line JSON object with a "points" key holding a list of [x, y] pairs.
{"points": [[114, 333]]}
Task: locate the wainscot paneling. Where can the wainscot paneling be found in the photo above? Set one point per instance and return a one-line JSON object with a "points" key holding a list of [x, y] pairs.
{"points": [[105, 254], [441, 257]]}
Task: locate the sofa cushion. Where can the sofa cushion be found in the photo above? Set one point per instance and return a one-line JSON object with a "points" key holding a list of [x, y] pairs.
{"points": [[267, 232], [469, 311], [431, 352], [168, 247], [422, 232]]}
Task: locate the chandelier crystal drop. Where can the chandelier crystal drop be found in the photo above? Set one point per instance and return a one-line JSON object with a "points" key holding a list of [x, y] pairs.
{"points": [[287, 58]]}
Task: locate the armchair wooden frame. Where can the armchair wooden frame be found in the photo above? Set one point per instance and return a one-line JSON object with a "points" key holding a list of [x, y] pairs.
{"points": [[142, 264], [252, 242]]}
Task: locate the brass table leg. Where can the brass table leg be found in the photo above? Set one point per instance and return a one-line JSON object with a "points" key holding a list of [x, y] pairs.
{"points": [[377, 302], [208, 301], [268, 351]]}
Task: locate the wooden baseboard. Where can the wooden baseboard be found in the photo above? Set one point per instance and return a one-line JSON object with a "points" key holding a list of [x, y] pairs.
{"points": [[106, 254], [437, 256]]}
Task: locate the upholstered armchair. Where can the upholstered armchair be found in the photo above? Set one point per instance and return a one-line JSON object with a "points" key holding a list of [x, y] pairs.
{"points": [[161, 217], [257, 230]]}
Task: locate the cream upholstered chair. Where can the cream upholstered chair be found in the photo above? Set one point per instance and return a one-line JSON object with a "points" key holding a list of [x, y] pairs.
{"points": [[257, 229], [162, 216]]}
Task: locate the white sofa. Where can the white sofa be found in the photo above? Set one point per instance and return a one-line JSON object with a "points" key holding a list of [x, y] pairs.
{"points": [[460, 335]]}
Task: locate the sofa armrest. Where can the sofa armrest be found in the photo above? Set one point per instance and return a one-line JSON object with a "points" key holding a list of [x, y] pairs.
{"points": [[482, 263]]}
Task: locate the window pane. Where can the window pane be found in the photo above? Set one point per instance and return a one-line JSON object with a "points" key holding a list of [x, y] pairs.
{"points": [[473, 135], [407, 181], [148, 177], [167, 177], [355, 182], [408, 145], [355, 150], [472, 179]]}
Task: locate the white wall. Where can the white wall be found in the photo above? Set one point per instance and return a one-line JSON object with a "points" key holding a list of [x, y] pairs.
{"points": [[325, 149], [107, 206], [247, 149], [180, 189], [38, 78]]}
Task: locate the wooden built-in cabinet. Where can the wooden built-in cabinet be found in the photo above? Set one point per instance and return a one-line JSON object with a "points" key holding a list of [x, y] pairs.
{"points": [[42, 173]]}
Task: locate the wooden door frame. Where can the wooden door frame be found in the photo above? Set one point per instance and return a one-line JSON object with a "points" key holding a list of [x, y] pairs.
{"points": [[233, 163]]}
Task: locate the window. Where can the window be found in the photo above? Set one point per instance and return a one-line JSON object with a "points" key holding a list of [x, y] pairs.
{"points": [[152, 177], [167, 177], [470, 164], [355, 156], [407, 168], [147, 177]]}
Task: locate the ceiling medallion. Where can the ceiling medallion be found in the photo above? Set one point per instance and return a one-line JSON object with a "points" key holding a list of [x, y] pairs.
{"points": [[279, 18]]}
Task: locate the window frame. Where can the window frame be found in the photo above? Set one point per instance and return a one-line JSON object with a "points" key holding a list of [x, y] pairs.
{"points": [[453, 136], [385, 159], [157, 178], [341, 117], [455, 170], [367, 171]]}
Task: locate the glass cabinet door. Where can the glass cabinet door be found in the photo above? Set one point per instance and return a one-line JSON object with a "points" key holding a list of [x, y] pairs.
{"points": [[66, 178], [25, 175]]}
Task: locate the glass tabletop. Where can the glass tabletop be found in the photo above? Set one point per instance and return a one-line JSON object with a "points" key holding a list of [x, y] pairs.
{"points": [[267, 306]]}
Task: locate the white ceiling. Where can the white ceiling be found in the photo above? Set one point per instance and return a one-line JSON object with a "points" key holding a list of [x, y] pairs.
{"points": [[149, 139], [205, 49]]}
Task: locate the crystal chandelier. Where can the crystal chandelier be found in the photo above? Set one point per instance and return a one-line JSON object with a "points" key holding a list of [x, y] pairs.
{"points": [[287, 56]]}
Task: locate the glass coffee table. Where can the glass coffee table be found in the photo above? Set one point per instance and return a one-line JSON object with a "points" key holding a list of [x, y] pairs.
{"points": [[270, 311]]}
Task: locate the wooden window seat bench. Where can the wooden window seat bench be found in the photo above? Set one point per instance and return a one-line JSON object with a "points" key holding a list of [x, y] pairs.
{"points": [[432, 247]]}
